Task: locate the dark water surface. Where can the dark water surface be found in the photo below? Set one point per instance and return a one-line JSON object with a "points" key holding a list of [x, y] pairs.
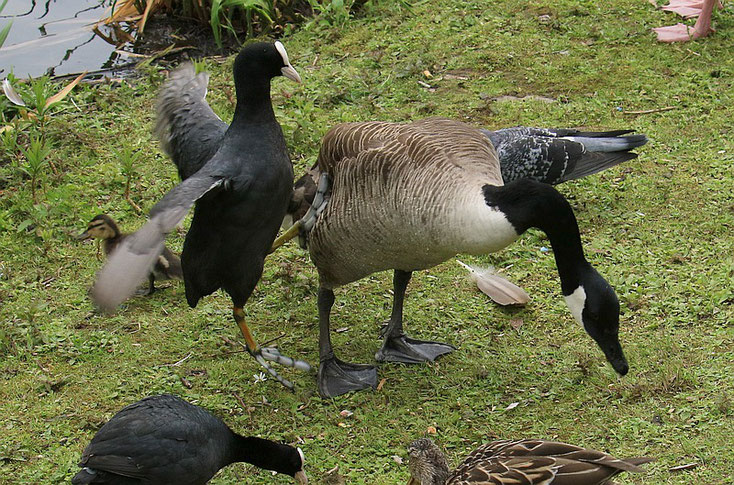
{"points": [[55, 37]]}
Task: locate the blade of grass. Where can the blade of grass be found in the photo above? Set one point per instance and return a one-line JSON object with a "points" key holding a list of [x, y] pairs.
{"points": [[64, 92], [4, 33]]}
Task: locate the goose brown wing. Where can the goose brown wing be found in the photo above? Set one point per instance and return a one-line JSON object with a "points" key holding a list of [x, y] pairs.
{"points": [[435, 144], [130, 263]]}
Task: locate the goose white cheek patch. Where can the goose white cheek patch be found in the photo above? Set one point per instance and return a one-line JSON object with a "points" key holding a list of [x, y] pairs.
{"points": [[576, 302]]}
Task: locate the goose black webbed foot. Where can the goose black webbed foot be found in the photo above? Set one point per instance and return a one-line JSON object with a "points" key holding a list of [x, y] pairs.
{"points": [[263, 355], [411, 351], [337, 377]]}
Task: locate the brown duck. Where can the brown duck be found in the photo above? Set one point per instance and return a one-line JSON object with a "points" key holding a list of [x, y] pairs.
{"points": [[167, 266], [523, 462]]}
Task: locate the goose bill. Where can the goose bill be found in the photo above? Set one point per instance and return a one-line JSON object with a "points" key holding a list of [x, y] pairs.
{"points": [[301, 478], [609, 344]]}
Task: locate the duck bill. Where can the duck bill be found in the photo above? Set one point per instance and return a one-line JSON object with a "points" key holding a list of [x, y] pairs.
{"points": [[289, 72], [301, 477], [412, 481], [83, 236]]}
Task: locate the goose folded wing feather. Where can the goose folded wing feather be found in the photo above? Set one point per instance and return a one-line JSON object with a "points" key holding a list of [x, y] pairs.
{"points": [[130, 263]]}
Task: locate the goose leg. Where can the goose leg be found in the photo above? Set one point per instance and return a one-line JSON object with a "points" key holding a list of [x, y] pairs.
{"points": [[397, 346], [335, 376], [265, 354]]}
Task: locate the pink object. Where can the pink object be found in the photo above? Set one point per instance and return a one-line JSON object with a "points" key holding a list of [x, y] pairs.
{"points": [[682, 32], [687, 8]]}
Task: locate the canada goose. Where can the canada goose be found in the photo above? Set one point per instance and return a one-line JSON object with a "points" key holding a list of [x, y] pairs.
{"points": [[102, 226], [165, 440], [547, 155], [703, 9], [409, 196], [241, 195], [523, 462]]}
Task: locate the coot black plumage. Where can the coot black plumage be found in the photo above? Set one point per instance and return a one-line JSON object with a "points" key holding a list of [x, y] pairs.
{"points": [[165, 440], [241, 196]]}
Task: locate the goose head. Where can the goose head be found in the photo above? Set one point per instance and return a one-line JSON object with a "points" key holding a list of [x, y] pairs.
{"points": [[595, 307], [428, 465], [101, 226], [269, 455]]}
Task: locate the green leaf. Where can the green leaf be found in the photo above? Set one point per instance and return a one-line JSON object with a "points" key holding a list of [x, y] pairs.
{"points": [[24, 225], [4, 32]]}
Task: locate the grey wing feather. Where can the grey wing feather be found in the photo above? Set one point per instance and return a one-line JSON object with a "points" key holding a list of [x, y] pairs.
{"points": [[189, 131], [133, 259], [556, 156]]}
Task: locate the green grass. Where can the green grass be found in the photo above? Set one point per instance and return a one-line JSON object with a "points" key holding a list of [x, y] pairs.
{"points": [[659, 228]]}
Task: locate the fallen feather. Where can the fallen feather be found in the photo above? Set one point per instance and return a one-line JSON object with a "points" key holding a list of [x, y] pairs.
{"points": [[680, 468], [499, 289]]}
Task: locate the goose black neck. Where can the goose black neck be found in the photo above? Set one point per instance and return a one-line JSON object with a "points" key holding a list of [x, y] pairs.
{"points": [[253, 100], [265, 454], [527, 203]]}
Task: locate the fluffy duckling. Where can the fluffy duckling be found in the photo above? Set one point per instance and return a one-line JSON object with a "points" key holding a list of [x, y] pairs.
{"points": [[165, 440], [102, 226], [523, 462]]}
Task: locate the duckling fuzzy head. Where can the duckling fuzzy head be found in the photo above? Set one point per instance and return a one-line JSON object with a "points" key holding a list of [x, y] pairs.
{"points": [[101, 226]]}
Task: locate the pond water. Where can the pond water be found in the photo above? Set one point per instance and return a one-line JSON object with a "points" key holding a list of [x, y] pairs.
{"points": [[55, 37]]}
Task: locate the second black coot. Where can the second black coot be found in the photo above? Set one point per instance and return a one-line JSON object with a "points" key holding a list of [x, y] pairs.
{"points": [[165, 440]]}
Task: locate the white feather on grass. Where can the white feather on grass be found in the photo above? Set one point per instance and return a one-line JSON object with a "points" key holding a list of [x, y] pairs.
{"points": [[499, 289]]}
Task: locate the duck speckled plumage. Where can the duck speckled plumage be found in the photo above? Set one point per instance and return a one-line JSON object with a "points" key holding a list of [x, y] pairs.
{"points": [[409, 196], [521, 462]]}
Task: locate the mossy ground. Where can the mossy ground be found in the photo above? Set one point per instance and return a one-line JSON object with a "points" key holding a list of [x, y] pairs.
{"points": [[659, 228]]}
